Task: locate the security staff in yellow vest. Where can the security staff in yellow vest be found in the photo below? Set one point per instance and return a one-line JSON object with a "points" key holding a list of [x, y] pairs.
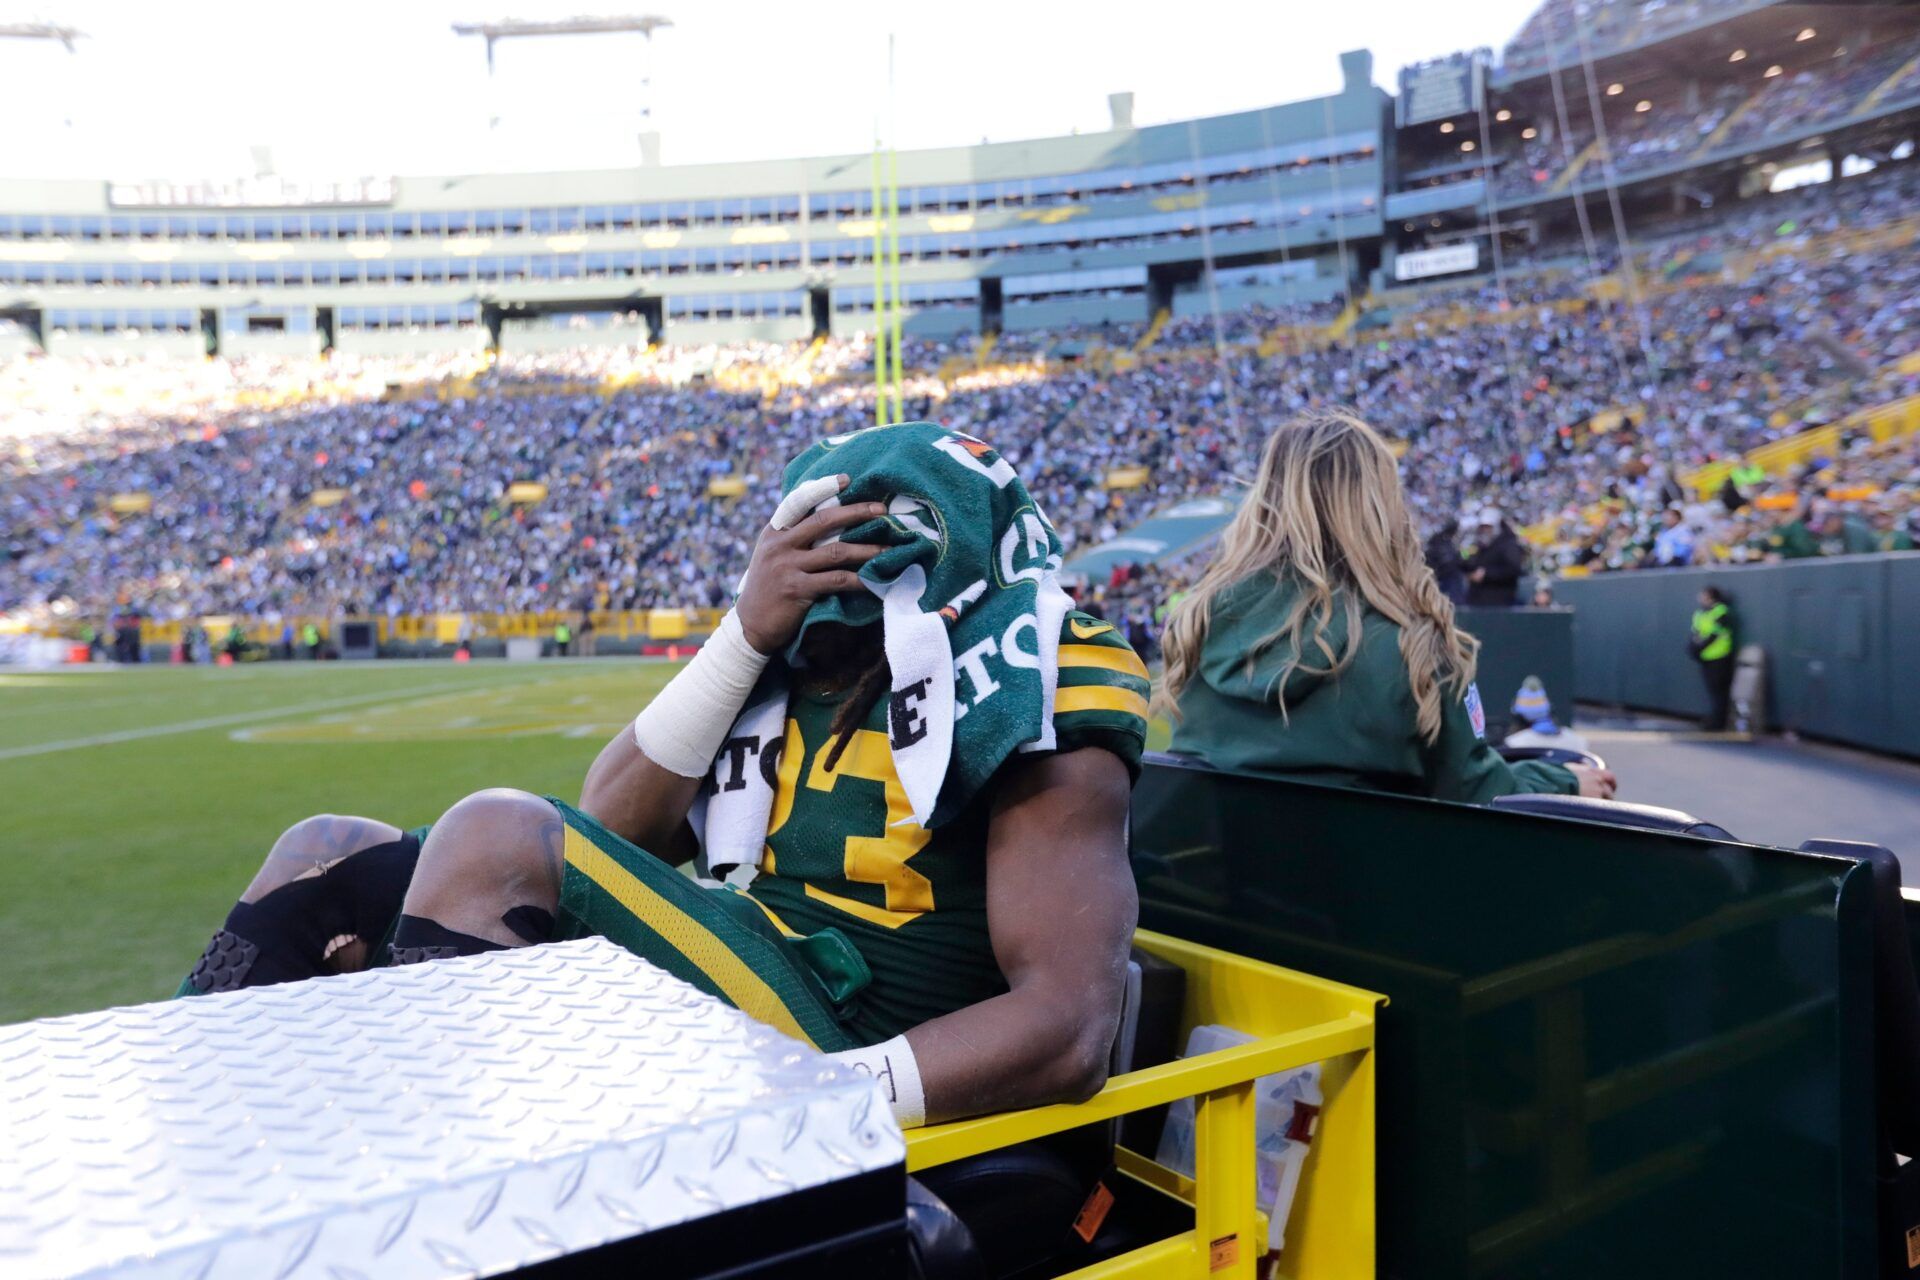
{"points": [[1712, 645], [562, 638]]}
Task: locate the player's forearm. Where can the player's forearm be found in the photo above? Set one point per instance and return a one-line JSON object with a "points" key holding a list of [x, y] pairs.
{"points": [[1023, 1049], [636, 799]]}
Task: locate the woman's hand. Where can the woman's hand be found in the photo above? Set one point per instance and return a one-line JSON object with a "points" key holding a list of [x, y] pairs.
{"points": [[789, 571], [1599, 784]]}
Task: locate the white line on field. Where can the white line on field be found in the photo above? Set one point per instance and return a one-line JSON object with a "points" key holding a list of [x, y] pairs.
{"points": [[216, 722]]}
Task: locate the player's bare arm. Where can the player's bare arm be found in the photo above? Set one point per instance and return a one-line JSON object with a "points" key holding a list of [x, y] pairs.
{"points": [[1061, 908]]}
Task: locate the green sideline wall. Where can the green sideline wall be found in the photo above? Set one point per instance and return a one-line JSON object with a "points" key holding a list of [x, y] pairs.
{"points": [[1515, 644], [1841, 637]]}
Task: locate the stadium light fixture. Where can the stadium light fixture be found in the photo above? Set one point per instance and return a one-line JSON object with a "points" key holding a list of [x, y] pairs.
{"points": [[1447, 127], [1503, 115], [1645, 104], [1529, 133], [1738, 55], [1774, 70], [509, 28], [1615, 89], [41, 31], [1806, 34], [1467, 145]]}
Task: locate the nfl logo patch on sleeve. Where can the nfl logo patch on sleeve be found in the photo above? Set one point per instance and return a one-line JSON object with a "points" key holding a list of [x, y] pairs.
{"points": [[1476, 713]]}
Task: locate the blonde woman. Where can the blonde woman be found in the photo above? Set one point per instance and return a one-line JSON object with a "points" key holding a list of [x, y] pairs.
{"points": [[1318, 647]]}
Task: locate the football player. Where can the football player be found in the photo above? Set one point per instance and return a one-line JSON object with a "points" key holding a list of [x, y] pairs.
{"points": [[973, 964]]}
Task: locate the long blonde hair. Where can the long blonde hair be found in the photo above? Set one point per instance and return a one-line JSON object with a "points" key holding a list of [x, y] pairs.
{"points": [[1326, 511]]}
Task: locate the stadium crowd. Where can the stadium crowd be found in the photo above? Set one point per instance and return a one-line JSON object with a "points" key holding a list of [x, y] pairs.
{"points": [[289, 488], [1724, 116]]}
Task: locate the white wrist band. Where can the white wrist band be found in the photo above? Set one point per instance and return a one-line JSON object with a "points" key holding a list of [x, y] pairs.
{"points": [[893, 1065], [682, 729]]}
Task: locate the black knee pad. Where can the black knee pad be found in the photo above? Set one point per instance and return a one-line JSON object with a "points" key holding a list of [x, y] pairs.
{"points": [[418, 938], [284, 936]]}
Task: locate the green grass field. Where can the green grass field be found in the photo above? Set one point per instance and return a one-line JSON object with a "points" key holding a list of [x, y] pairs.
{"points": [[138, 803]]}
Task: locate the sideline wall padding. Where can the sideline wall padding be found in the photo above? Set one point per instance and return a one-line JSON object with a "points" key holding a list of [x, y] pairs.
{"points": [[1840, 635]]}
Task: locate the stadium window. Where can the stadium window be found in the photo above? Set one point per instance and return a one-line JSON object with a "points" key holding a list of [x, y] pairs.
{"points": [[404, 226], [567, 219], [65, 273], [293, 227], [594, 218], [786, 208], [625, 217], [122, 273], [406, 270], [540, 221], [460, 269], [513, 222], [261, 229], [376, 226], [324, 273], [486, 222], [32, 228], [459, 222], [433, 224], [433, 269], [151, 273]]}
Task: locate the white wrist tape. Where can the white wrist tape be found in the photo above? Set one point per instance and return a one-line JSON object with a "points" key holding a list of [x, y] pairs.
{"points": [[682, 728], [892, 1064], [805, 499]]}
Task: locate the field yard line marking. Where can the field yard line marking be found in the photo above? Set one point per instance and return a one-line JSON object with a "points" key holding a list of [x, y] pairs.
{"points": [[215, 722]]}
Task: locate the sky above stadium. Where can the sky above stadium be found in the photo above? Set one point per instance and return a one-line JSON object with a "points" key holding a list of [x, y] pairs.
{"points": [[375, 87]]}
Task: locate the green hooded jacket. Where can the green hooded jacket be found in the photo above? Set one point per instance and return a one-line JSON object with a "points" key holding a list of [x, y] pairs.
{"points": [[1359, 729]]}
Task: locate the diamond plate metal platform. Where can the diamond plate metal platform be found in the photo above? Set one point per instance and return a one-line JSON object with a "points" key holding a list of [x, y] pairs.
{"points": [[460, 1118]]}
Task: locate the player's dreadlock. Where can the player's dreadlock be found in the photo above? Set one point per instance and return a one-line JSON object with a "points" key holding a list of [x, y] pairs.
{"points": [[864, 653]]}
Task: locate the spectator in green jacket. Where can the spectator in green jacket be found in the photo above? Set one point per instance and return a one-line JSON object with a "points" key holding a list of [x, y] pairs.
{"points": [[1887, 533], [1790, 538], [1317, 645]]}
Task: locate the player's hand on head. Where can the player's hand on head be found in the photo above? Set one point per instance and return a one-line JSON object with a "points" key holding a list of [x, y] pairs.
{"points": [[794, 563]]}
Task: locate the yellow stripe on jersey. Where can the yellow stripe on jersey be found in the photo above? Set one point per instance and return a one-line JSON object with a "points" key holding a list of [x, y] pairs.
{"points": [[1098, 697], [1103, 657], [744, 988]]}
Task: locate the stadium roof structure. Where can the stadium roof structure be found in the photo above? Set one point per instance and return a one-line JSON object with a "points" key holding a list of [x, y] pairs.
{"points": [[514, 28]]}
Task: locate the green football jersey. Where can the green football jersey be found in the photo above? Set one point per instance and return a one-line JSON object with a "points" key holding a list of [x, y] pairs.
{"points": [[843, 853]]}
